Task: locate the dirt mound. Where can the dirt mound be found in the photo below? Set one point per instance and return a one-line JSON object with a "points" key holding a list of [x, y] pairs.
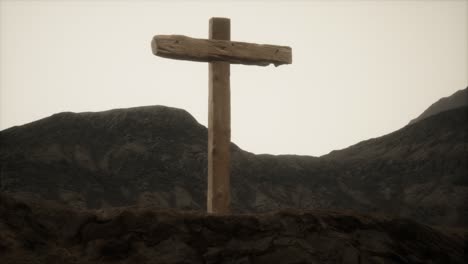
{"points": [[33, 231]]}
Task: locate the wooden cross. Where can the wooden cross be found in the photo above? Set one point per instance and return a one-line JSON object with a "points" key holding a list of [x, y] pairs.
{"points": [[219, 51]]}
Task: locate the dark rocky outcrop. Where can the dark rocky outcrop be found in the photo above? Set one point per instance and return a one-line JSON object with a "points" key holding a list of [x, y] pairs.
{"points": [[157, 156], [111, 158], [456, 100], [34, 231]]}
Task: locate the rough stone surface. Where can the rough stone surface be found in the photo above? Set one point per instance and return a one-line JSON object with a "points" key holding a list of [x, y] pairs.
{"points": [[35, 231]]}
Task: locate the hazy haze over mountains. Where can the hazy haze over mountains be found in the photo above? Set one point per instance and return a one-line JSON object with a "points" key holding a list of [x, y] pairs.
{"points": [[360, 69]]}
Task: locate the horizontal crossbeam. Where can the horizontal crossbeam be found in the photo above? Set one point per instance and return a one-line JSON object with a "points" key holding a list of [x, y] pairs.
{"points": [[209, 50]]}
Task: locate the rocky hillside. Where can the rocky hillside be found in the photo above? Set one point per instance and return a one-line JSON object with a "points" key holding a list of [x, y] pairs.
{"points": [[419, 171], [157, 156], [42, 232], [456, 100]]}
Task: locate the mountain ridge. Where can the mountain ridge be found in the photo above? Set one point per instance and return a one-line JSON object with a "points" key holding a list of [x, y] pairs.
{"points": [[157, 155], [456, 100]]}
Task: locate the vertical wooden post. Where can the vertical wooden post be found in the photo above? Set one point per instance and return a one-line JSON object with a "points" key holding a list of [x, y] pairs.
{"points": [[219, 125]]}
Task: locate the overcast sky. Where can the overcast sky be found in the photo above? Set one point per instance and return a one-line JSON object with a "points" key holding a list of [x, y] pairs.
{"points": [[361, 69]]}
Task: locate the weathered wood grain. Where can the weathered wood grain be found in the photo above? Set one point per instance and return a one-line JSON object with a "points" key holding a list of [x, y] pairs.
{"points": [[209, 50], [219, 126]]}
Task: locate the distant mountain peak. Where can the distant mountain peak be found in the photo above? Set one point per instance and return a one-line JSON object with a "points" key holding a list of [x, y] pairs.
{"points": [[456, 100]]}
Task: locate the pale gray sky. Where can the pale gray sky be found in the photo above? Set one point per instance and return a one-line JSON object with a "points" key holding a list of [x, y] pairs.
{"points": [[361, 69]]}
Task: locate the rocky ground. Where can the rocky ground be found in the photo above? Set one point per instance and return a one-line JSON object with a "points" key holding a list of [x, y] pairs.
{"points": [[35, 231]]}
